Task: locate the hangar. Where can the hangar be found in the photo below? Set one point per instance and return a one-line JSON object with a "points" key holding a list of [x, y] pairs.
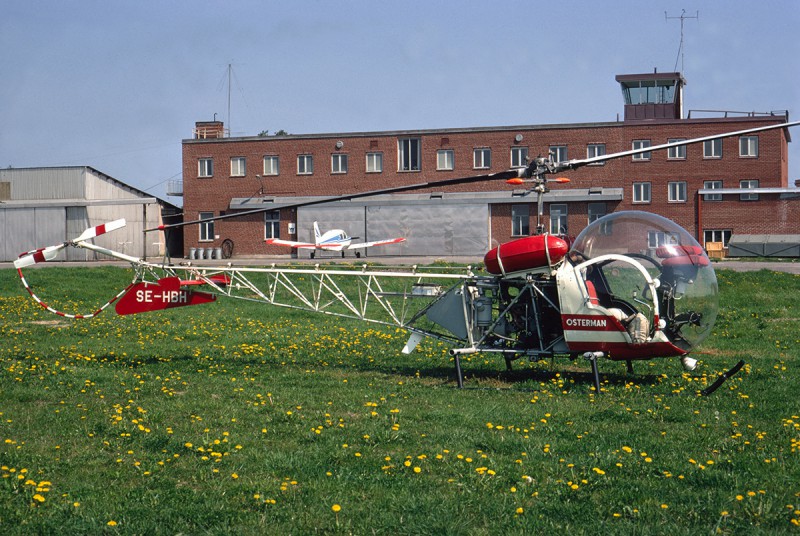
{"points": [[50, 205]]}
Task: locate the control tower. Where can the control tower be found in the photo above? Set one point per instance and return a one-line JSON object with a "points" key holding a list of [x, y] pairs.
{"points": [[652, 96]]}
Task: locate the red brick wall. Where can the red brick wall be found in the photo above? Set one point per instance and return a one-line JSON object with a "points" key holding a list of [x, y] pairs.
{"points": [[769, 168]]}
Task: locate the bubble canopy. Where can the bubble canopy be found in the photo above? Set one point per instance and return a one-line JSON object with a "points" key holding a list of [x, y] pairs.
{"points": [[687, 292]]}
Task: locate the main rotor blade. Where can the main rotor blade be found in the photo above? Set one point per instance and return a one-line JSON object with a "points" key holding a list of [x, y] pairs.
{"points": [[501, 175], [576, 163]]}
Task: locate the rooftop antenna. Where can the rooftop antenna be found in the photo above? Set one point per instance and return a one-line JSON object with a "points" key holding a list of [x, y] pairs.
{"points": [[682, 18], [230, 69]]}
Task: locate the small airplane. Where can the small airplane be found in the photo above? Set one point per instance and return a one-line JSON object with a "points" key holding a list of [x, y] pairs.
{"points": [[632, 286], [333, 240]]}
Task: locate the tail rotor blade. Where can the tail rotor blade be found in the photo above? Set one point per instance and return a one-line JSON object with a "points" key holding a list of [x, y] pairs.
{"points": [[92, 232], [40, 255], [51, 252]]}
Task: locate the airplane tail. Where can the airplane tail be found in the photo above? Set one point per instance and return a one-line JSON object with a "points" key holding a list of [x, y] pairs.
{"points": [[317, 234]]}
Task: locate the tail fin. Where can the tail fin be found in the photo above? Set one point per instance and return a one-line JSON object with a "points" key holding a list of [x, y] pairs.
{"points": [[317, 234]]}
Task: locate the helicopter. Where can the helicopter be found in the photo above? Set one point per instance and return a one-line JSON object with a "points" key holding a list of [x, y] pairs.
{"points": [[607, 294], [333, 240]]}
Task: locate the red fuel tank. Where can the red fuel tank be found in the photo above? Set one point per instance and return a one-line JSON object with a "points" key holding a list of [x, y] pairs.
{"points": [[525, 254]]}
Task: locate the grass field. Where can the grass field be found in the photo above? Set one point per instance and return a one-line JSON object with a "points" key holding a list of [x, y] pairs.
{"points": [[238, 417]]}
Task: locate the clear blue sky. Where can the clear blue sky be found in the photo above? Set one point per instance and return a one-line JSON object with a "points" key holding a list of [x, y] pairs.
{"points": [[117, 85]]}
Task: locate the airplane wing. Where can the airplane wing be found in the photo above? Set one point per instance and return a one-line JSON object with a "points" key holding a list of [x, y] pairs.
{"points": [[289, 243], [377, 243]]}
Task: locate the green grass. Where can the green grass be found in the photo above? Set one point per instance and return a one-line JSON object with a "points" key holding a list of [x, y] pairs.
{"points": [[239, 417]]}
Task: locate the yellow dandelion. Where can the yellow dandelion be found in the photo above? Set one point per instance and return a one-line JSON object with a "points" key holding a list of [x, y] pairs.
{"points": [[38, 498], [234, 476], [520, 511], [336, 508], [111, 523]]}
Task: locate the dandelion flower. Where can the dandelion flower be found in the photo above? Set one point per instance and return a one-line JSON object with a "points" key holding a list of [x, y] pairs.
{"points": [[38, 498], [111, 523], [336, 508]]}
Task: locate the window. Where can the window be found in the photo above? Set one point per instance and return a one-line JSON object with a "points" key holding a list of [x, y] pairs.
{"points": [[272, 224], [338, 163], [677, 192], [678, 152], [271, 165], [558, 219], [748, 184], [482, 158], [641, 144], [519, 157], [594, 150], [596, 211], [558, 153], [660, 238], [717, 235], [206, 227], [748, 146], [712, 185], [445, 159], [520, 220], [712, 148], [205, 167], [374, 162], [408, 157], [641, 192], [238, 167], [305, 164]]}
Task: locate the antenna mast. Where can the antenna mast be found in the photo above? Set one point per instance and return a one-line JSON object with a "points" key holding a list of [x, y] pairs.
{"points": [[230, 68], [682, 18]]}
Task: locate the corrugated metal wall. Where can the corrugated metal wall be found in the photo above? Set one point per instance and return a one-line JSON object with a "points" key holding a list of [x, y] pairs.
{"points": [[445, 230], [24, 229]]}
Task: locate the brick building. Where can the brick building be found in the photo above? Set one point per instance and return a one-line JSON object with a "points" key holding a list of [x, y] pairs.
{"points": [[716, 189]]}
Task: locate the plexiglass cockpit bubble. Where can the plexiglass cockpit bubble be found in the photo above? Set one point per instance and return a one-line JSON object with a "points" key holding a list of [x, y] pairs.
{"points": [[687, 292]]}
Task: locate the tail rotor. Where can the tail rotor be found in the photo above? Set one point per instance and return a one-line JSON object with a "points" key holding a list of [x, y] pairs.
{"points": [[51, 252]]}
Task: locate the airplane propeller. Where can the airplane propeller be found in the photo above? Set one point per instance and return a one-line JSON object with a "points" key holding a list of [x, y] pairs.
{"points": [[51, 252]]}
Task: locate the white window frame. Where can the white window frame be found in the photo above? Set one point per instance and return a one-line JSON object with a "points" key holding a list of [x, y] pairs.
{"points": [[712, 148], [593, 150], [520, 219], [642, 193], [375, 162], [717, 235], [481, 158], [238, 166], [641, 144], [205, 168], [558, 153], [519, 157], [409, 154], [445, 160], [656, 239], [559, 224], [748, 147], [678, 152], [712, 185], [339, 163], [677, 192], [271, 165], [596, 210], [272, 224], [305, 164], [748, 183], [206, 228]]}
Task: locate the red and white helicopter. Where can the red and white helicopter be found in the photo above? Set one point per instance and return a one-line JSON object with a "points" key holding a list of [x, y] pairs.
{"points": [[333, 240], [607, 295]]}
